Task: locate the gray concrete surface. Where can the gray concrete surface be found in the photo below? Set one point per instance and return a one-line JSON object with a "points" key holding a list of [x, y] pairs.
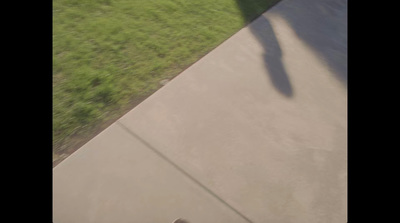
{"points": [[255, 131], [117, 178]]}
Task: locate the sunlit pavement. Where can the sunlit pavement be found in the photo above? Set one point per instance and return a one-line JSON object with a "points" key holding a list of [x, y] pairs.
{"points": [[255, 131]]}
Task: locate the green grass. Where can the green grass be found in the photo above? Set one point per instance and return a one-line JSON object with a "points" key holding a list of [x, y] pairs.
{"points": [[109, 53]]}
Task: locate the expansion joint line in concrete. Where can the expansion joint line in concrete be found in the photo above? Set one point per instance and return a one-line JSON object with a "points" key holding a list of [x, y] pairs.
{"points": [[182, 171]]}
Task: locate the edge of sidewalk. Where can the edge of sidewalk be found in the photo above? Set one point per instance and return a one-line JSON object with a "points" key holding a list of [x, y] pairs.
{"points": [[136, 103]]}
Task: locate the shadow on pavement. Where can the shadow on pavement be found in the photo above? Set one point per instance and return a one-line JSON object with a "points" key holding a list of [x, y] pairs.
{"points": [[263, 31], [320, 24]]}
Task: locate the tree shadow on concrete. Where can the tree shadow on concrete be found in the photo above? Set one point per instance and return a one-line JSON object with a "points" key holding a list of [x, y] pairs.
{"points": [[320, 24]]}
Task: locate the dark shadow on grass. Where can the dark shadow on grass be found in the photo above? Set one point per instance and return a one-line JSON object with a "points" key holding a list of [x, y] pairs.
{"points": [[251, 9]]}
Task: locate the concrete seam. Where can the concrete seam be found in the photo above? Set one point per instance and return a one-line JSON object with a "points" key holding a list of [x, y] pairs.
{"points": [[164, 157]]}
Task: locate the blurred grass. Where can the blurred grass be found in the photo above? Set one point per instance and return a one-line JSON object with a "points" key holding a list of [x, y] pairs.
{"points": [[108, 53]]}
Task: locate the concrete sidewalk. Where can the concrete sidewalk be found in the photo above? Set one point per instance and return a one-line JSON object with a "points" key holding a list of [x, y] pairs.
{"points": [[255, 131]]}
